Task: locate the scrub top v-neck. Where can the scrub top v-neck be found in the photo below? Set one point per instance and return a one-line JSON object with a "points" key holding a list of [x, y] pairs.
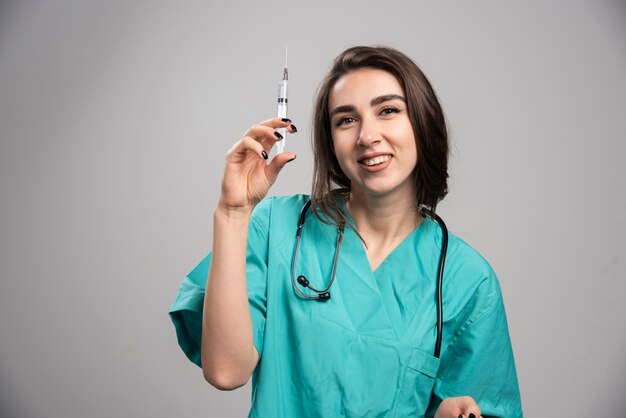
{"points": [[396, 280], [366, 352]]}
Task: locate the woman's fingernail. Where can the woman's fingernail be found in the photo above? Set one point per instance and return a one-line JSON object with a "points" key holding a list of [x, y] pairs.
{"points": [[278, 135], [461, 416], [290, 160], [286, 120], [472, 416], [264, 154], [294, 129]]}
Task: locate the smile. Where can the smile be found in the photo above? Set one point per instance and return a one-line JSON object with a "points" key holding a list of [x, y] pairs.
{"points": [[375, 160]]}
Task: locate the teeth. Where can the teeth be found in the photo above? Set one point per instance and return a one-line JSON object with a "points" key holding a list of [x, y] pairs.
{"points": [[376, 160]]}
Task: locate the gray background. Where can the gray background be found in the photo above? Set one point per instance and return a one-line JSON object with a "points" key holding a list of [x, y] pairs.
{"points": [[114, 121]]}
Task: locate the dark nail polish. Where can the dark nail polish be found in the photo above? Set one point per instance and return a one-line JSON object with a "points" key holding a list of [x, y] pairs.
{"points": [[294, 129], [264, 154], [286, 120], [278, 135], [472, 416], [461, 416]]}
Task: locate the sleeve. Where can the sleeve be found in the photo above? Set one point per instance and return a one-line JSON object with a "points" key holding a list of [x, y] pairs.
{"points": [[479, 362], [186, 311]]}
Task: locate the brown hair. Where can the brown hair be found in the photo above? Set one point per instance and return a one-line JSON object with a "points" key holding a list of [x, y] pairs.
{"points": [[426, 116]]}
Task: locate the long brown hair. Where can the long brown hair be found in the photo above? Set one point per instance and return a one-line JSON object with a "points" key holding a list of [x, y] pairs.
{"points": [[426, 116]]}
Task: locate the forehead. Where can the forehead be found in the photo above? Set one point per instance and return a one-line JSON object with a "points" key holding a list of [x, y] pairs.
{"points": [[358, 87]]}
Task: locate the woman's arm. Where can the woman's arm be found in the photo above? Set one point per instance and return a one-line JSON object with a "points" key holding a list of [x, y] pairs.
{"points": [[228, 355], [227, 351]]}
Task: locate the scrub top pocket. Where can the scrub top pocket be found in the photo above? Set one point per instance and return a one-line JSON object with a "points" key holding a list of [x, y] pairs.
{"points": [[417, 384]]}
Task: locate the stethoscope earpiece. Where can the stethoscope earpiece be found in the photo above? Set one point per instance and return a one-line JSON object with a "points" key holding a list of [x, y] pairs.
{"points": [[323, 297], [303, 281]]}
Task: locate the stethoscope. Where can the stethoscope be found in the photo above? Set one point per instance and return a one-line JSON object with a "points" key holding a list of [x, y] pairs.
{"points": [[322, 295]]}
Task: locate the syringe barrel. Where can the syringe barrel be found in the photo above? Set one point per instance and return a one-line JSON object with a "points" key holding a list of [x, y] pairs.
{"points": [[282, 90], [282, 111]]}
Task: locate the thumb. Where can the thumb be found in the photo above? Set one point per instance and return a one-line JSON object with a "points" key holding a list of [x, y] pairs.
{"points": [[277, 164]]}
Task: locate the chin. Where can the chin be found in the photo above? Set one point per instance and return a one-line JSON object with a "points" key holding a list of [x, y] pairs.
{"points": [[378, 190], [383, 188]]}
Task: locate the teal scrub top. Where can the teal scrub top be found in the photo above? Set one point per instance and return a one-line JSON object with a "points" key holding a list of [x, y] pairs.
{"points": [[368, 351]]}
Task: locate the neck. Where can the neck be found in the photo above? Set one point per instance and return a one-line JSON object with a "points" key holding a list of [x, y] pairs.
{"points": [[383, 218]]}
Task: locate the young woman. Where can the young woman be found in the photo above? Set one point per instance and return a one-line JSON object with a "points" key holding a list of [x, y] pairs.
{"points": [[333, 308]]}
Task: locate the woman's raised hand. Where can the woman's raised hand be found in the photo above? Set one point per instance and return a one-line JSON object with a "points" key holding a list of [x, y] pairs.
{"points": [[247, 175]]}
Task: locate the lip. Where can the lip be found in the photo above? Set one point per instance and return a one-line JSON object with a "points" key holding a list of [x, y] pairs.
{"points": [[373, 155], [375, 168]]}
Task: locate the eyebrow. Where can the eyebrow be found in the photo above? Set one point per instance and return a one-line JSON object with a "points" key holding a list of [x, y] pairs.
{"points": [[386, 98], [374, 102]]}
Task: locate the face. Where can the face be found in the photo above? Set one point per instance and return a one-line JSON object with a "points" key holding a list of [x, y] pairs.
{"points": [[372, 135]]}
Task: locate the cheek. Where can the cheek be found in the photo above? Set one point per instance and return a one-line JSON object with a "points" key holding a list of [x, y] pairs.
{"points": [[340, 146], [344, 158], [414, 156], [410, 144], [337, 143]]}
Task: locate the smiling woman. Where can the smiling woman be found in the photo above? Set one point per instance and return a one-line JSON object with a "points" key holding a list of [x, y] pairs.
{"points": [[380, 149]]}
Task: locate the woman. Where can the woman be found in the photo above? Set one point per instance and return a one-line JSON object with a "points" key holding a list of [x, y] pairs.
{"points": [[365, 346]]}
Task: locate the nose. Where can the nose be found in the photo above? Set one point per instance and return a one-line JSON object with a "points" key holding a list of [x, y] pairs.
{"points": [[369, 133]]}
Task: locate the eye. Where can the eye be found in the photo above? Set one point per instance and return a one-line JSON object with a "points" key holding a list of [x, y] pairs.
{"points": [[389, 110], [345, 120]]}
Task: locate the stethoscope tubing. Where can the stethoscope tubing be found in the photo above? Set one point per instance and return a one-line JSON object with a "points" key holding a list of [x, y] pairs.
{"points": [[319, 294], [440, 268]]}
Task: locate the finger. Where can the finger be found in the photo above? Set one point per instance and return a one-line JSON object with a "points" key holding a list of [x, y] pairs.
{"points": [[472, 412], [277, 164], [469, 407], [250, 144], [277, 123], [266, 135]]}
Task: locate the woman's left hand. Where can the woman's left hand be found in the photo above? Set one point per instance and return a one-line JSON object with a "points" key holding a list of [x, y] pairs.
{"points": [[458, 407]]}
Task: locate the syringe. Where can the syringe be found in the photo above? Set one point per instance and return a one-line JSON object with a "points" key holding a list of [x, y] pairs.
{"points": [[282, 105]]}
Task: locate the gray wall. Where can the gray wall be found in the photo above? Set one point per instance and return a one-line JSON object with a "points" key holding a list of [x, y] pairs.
{"points": [[114, 121]]}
